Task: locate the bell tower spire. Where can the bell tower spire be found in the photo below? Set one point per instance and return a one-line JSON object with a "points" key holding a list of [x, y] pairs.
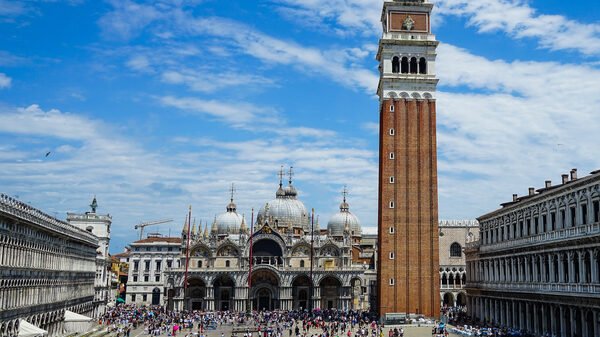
{"points": [[408, 198]]}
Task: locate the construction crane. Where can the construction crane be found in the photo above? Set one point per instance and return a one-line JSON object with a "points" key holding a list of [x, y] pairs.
{"points": [[150, 223]]}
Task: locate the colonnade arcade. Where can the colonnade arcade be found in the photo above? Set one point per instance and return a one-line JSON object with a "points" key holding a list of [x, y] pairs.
{"points": [[561, 320], [577, 268], [270, 290]]}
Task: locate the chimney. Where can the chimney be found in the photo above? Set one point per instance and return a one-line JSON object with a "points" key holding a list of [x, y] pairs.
{"points": [[565, 178], [548, 183], [531, 191], [574, 174], [515, 197]]}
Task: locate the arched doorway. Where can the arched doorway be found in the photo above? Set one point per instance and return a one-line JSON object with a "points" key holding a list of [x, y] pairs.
{"points": [[265, 290], [448, 300], [196, 294], [155, 296], [300, 292], [331, 289], [224, 293], [461, 299]]}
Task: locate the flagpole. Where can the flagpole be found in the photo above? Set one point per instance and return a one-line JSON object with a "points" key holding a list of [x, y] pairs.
{"points": [[187, 256], [249, 303], [312, 248]]}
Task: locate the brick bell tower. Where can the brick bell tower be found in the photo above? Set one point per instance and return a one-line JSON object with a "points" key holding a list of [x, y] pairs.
{"points": [[408, 262]]}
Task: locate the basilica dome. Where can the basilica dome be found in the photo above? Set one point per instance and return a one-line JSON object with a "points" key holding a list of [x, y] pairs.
{"points": [[228, 222], [344, 218], [285, 210]]}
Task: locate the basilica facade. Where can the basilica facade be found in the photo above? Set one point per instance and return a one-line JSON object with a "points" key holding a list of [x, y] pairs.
{"points": [[282, 261]]}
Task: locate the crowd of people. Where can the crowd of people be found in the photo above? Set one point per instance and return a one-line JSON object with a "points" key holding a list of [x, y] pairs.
{"points": [[465, 326], [156, 321]]}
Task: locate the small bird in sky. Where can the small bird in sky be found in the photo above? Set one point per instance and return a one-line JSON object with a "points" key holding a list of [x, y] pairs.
{"points": [[48, 153]]}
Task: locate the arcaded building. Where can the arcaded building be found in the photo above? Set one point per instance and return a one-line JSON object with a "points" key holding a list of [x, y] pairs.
{"points": [[47, 267], [454, 235], [536, 265], [99, 225], [408, 263], [286, 261]]}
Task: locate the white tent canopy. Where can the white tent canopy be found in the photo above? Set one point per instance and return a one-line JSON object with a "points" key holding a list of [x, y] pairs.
{"points": [[75, 322], [75, 317], [27, 329]]}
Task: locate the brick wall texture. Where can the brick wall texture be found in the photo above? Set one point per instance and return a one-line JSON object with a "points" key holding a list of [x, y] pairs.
{"points": [[414, 267]]}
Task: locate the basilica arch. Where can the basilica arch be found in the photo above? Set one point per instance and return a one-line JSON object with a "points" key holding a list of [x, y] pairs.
{"points": [[265, 289], [224, 287], [331, 291], [301, 289], [196, 293]]}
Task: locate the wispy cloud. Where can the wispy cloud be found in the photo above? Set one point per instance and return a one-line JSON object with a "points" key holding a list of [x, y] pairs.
{"points": [[334, 65], [135, 182], [519, 20], [207, 81], [237, 114], [128, 19], [5, 81], [503, 134], [345, 17], [338, 66]]}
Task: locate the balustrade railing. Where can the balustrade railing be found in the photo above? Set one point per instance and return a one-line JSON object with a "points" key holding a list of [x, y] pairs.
{"points": [[582, 288], [23, 211], [275, 261], [560, 234]]}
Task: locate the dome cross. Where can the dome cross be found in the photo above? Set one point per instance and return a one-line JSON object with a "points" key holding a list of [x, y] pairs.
{"points": [[232, 190], [291, 174]]}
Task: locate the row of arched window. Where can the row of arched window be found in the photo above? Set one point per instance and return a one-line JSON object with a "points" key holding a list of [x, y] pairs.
{"points": [[405, 65]]}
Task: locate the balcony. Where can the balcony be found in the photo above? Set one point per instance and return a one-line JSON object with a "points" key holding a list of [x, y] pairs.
{"points": [[580, 289], [544, 238], [408, 36], [274, 261]]}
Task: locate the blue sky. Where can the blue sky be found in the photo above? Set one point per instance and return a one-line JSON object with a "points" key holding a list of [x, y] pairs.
{"points": [[153, 106]]}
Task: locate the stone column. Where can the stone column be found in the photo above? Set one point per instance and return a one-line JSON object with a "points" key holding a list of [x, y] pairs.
{"points": [[574, 323], [543, 267], [561, 267], [595, 319], [594, 264], [553, 320], [582, 267], [544, 313], [536, 321], [563, 325]]}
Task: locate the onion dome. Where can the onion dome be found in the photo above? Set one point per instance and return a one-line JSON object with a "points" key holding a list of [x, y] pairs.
{"points": [[285, 210], [344, 220], [230, 221]]}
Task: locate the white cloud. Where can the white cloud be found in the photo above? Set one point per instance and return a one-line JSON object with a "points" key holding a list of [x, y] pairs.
{"points": [[5, 81], [519, 20], [207, 81], [128, 19], [237, 114], [136, 182], [344, 16], [502, 136], [333, 64], [139, 63], [371, 127]]}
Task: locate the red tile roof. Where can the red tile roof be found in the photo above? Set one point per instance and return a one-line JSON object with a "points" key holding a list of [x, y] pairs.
{"points": [[157, 239]]}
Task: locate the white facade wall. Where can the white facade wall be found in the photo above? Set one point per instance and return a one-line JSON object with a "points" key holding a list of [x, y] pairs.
{"points": [[152, 256]]}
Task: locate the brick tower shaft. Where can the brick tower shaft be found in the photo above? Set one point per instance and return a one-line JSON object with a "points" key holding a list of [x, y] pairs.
{"points": [[408, 261]]}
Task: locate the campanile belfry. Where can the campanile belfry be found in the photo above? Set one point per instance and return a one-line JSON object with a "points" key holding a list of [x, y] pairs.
{"points": [[408, 262]]}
